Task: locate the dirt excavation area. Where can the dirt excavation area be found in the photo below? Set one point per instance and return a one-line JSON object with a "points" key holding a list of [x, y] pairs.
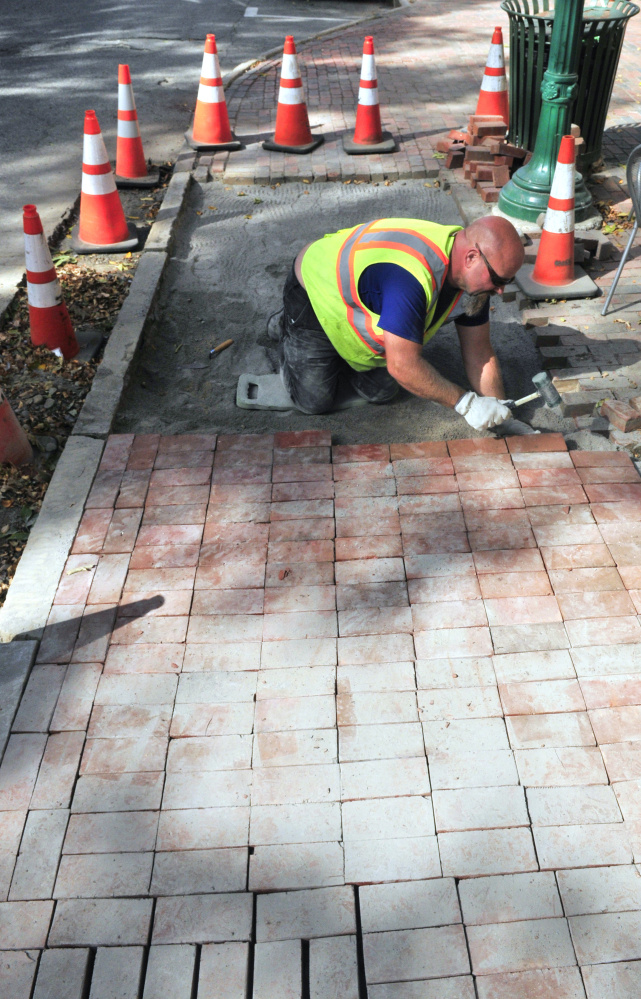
{"points": [[225, 277]]}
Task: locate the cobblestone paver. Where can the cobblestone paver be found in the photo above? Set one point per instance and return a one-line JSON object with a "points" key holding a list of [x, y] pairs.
{"points": [[334, 722], [430, 59]]}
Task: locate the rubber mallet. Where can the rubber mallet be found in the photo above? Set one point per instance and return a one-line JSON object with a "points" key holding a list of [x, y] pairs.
{"points": [[544, 390]]}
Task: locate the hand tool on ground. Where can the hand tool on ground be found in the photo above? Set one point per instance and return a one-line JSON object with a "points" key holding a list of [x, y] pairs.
{"points": [[221, 346], [544, 390]]}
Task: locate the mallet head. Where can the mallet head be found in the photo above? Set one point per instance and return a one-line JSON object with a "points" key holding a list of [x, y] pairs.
{"points": [[545, 388]]}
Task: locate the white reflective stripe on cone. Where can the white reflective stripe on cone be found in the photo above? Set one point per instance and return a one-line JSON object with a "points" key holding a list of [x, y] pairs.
{"points": [[556, 221], [98, 183], [210, 95], [211, 68], [36, 251], [368, 68], [290, 95], [368, 95], [563, 181], [93, 151], [289, 68], [495, 59], [126, 97], [44, 296], [494, 83], [128, 129]]}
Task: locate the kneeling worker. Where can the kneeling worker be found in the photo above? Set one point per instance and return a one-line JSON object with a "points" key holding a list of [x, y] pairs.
{"points": [[368, 298]]}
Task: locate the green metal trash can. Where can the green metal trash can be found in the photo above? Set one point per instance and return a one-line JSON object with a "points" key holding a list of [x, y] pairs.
{"points": [[530, 32]]}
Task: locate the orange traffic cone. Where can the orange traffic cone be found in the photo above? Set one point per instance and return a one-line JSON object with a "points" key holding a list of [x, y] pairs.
{"points": [[292, 134], [554, 274], [211, 122], [369, 137], [103, 227], [48, 317], [131, 165], [15, 449], [493, 95]]}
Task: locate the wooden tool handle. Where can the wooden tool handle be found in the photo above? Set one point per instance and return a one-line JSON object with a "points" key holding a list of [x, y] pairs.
{"points": [[222, 346]]}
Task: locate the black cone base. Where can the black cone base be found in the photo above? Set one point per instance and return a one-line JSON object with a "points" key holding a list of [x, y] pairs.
{"points": [[387, 145], [309, 148], [212, 147], [79, 246]]}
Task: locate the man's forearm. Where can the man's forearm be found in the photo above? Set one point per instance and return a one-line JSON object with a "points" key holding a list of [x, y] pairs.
{"points": [[487, 378], [425, 381]]}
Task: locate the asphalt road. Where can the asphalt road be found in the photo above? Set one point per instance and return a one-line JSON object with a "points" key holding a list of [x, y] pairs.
{"points": [[58, 59]]}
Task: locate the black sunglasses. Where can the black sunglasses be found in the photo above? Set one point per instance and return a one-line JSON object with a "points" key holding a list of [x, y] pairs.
{"points": [[496, 280]]}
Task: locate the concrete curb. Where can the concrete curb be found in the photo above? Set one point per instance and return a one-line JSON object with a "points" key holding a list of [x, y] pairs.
{"points": [[33, 587], [32, 590]]}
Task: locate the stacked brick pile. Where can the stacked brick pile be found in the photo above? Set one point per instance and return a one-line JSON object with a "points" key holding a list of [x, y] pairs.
{"points": [[488, 160]]}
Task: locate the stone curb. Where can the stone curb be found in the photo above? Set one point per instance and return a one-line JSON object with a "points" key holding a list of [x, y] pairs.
{"points": [[33, 587], [32, 590]]}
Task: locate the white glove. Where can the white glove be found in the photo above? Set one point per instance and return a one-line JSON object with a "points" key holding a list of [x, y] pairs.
{"points": [[482, 412]]}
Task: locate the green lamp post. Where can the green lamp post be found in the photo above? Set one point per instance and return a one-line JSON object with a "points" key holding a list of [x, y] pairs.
{"points": [[526, 195]]}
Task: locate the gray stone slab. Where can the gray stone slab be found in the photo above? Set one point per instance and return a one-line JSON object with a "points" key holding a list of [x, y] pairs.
{"points": [[16, 660], [162, 231], [100, 405], [170, 972], [62, 974], [116, 973], [33, 588]]}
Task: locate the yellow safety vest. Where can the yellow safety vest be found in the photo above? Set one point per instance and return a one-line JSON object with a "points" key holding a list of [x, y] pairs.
{"points": [[332, 267]]}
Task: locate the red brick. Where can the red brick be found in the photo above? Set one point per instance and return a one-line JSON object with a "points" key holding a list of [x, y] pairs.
{"points": [[104, 490], [180, 477], [283, 492], [309, 455], [92, 531], [75, 582], [370, 546], [536, 442], [170, 534], [621, 416], [360, 452], [144, 580], [141, 460], [133, 489], [489, 194], [301, 473], [593, 459], [184, 459], [303, 438], [109, 579], [93, 636], [423, 449], [244, 442], [613, 492], [481, 445], [164, 556], [558, 477], [313, 529], [122, 659], [174, 603], [454, 159], [257, 473], [161, 495], [424, 485], [355, 526], [191, 442], [550, 496], [299, 574], [244, 533], [116, 451], [500, 175], [130, 631], [121, 535], [301, 551], [492, 499]]}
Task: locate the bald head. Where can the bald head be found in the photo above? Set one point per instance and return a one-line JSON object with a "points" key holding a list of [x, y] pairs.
{"points": [[499, 241], [485, 255]]}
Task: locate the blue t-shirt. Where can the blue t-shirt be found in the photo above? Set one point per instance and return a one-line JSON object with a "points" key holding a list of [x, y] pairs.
{"points": [[397, 297]]}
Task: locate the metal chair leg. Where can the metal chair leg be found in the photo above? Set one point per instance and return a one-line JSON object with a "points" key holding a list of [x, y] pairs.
{"points": [[620, 267]]}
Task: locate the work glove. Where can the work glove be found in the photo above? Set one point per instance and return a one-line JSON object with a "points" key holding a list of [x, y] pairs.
{"points": [[481, 411]]}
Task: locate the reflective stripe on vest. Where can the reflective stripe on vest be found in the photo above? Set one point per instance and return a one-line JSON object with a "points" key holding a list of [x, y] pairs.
{"points": [[419, 246]]}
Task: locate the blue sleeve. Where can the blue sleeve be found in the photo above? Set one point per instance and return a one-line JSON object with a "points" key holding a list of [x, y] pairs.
{"points": [[397, 297]]}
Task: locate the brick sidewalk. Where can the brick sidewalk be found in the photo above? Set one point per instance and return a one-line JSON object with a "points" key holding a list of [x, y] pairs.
{"points": [[262, 742], [430, 59]]}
